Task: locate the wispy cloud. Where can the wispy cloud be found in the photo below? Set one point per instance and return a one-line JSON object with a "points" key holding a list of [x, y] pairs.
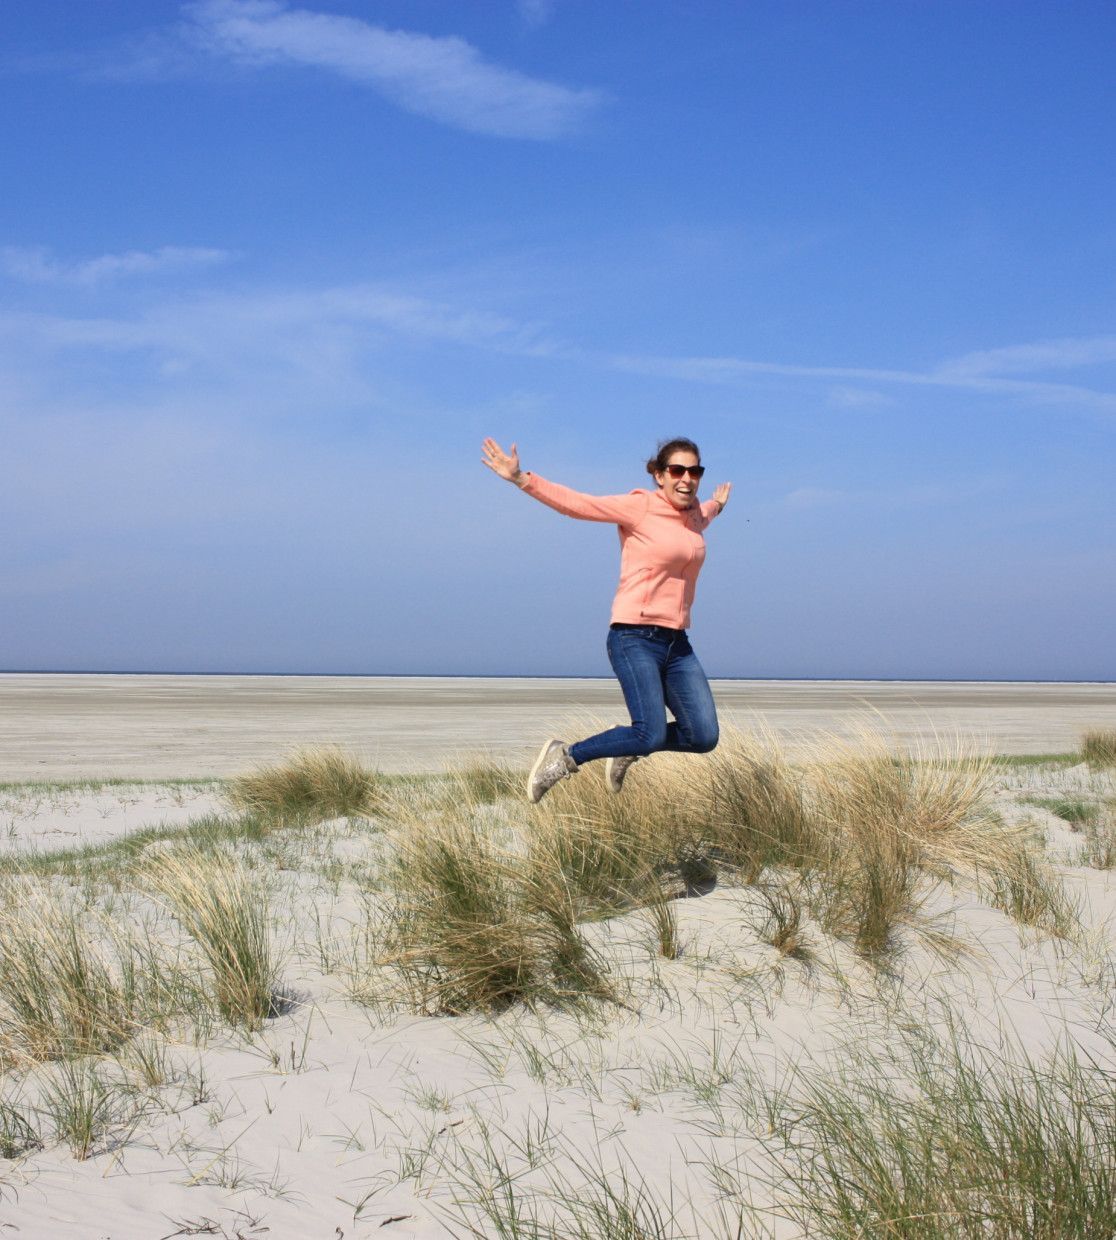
{"points": [[325, 334], [36, 264], [264, 353], [911, 495], [1035, 358], [192, 326], [443, 78], [988, 377]]}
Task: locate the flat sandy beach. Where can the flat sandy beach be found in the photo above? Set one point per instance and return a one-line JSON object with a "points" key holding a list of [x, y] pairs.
{"points": [[157, 727]]}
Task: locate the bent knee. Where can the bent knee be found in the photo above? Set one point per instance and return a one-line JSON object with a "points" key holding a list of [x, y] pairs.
{"points": [[706, 742], [650, 739]]}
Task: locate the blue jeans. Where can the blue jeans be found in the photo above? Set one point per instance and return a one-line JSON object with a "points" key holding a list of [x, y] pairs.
{"points": [[657, 668]]}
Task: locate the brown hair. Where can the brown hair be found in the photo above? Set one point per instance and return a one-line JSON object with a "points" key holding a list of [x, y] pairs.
{"points": [[658, 463]]}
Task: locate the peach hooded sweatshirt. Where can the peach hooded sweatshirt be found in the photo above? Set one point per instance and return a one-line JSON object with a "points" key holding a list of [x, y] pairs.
{"points": [[661, 548]]}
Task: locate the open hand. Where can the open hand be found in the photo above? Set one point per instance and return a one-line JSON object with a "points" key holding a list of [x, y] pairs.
{"points": [[721, 494], [506, 464]]}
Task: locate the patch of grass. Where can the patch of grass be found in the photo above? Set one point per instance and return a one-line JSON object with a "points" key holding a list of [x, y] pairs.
{"points": [[953, 1147], [889, 820], [312, 784], [145, 1058], [1100, 843], [225, 910], [781, 927], [1075, 812], [866, 828], [111, 860], [888, 881], [604, 846], [867, 891], [664, 923], [477, 927], [83, 1106], [1034, 759], [1098, 747], [1031, 893], [203, 783], [18, 1131], [738, 809], [588, 1202], [462, 937], [613, 1206], [606, 864], [937, 800], [67, 983], [483, 782], [755, 811], [569, 970]]}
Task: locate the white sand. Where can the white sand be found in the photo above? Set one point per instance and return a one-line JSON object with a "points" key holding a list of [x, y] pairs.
{"points": [[345, 1121], [47, 818]]}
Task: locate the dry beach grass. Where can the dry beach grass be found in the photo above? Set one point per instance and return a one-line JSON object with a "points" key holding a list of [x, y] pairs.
{"points": [[1098, 747], [861, 993]]}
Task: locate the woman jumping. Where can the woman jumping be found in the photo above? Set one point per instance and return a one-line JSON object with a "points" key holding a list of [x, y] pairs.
{"points": [[661, 553]]}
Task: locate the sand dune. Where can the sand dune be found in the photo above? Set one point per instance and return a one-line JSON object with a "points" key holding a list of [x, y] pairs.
{"points": [[677, 1111]]}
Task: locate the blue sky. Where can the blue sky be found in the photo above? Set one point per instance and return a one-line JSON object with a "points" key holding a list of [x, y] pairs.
{"points": [[269, 273]]}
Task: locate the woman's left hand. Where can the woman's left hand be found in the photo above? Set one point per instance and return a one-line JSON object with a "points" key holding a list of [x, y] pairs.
{"points": [[721, 494], [506, 464]]}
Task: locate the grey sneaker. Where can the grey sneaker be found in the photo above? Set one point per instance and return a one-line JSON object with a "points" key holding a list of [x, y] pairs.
{"points": [[551, 766], [616, 769]]}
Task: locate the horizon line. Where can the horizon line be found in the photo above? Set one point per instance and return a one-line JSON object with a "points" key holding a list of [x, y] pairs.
{"points": [[977, 680]]}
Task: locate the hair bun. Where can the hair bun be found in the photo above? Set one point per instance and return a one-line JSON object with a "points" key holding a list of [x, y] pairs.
{"points": [[667, 447]]}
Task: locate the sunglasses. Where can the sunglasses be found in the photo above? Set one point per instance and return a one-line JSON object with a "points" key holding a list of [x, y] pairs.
{"points": [[676, 471]]}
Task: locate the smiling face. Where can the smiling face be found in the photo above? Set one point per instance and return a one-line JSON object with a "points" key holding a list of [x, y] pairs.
{"points": [[681, 492]]}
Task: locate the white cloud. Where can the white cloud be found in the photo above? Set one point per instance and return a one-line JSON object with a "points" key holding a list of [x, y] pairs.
{"points": [[207, 325], [36, 265], [1035, 357], [730, 370], [265, 354], [328, 337], [443, 78]]}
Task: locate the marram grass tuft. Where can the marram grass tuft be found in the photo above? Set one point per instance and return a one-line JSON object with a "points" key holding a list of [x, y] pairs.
{"points": [[1098, 747], [312, 784]]}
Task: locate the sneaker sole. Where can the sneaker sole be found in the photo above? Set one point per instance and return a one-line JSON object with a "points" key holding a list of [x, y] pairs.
{"points": [[554, 740]]}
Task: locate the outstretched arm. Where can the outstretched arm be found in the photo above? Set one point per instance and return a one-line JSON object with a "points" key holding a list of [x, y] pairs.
{"points": [[621, 509]]}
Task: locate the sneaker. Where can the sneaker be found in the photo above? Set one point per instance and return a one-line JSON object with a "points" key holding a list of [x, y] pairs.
{"points": [[551, 766], [616, 769]]}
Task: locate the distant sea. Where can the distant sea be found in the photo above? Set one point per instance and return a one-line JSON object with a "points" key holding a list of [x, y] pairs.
{"points": [[829, 678]]}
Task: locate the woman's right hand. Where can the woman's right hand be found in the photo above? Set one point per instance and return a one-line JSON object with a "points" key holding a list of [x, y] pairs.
{"points": [[506, 464]]}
